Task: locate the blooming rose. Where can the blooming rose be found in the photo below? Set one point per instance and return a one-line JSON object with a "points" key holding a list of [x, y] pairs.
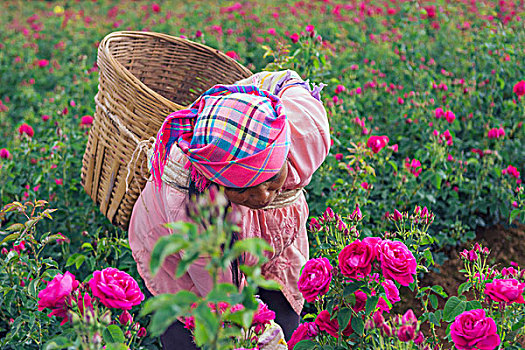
{"points": [[397, 262], [303, 332], [506, 290], [115, 289], [4, 153], [26, 129], [262, 317], [519, 88], [55, 296], [355, 260], [472, 330], [376, 143], [315, 278], [86, 120], [331, 326]]}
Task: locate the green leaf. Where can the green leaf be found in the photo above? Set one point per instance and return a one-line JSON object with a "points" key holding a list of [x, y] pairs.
{"points": [[433, 319], [58, 343], [76, 259], [513, 214], [254, 246], [221, 292], [352, 288], [183, 299], [433, 301], [305, 345], [428, 256], [518, 325], [113, 334], [11, 237], [166, 246], [343, 317], [371, 304], [464, 287], [437, 181], [473, 305], [207, 324], [453, 308], [358, 325], [116, 346]]}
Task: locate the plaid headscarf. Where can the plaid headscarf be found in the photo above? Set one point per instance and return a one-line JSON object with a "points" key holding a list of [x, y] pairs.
{"points": [[235, 136]]}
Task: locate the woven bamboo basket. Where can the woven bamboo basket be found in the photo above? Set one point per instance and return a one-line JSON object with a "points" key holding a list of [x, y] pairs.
{"points": [[143, 78]]}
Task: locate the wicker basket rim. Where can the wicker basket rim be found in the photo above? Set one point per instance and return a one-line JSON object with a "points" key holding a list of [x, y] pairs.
{"points": [[132, 79]]}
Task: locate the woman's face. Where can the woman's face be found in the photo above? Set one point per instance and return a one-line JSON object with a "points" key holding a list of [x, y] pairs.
{"points": [[259, 196]]}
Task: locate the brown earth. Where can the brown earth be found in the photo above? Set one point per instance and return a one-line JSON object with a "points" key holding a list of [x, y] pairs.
{"points": [[506, 244]]}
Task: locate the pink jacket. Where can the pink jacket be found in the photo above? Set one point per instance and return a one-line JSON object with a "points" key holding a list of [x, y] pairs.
{"points": [[284, 228]]}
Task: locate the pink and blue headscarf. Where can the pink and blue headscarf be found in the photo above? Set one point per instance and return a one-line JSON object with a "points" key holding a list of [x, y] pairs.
{"points": [[235, 136]]}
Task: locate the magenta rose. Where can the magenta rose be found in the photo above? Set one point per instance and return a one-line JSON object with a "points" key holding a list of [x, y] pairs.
{"points": [[331, 326], [472, 330], [115, 289], [376, 143], [355, 260], [262, 317], [315, 278], [506, 290], [57, 294], [325, 324], [303, 332], [397, 262]]}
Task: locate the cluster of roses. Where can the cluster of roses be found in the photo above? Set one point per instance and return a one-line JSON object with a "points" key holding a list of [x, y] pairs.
{"points": [[356, 261], [473, 329], [448, 115], [496, 133], [261, 319], [405, 328], [113, 288]]}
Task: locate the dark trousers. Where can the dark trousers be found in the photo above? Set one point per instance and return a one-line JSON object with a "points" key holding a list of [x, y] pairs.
{"points": [[177, 337]]}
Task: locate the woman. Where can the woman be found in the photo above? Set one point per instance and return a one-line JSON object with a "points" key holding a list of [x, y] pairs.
{"points": [[261, 139]]}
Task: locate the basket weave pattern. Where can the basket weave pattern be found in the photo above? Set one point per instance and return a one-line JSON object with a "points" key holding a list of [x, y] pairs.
{"points": [[143, 78]]}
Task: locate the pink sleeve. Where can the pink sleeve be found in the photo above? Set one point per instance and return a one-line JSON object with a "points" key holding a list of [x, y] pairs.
{"points": [[310, 134]]}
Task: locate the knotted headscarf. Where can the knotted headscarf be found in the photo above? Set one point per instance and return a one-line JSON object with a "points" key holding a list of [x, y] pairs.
{"points": [[235, 136]]}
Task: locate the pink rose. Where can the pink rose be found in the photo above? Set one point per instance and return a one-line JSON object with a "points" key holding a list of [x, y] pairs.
{"points": [[406, 333], [397, 262], [303, 332], [4, 153], [26, 129], [57, 294], [331, 326], [519, 88], [294, 37], [86, 120], [506, 290], [315, 278], [262, 317], [472, 330], [391, 291], [115, 289], [355, 260], [376, 143]]}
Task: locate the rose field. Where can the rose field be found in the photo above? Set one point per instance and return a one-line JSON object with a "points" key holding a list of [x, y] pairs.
{"points": [[417, 216]]}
